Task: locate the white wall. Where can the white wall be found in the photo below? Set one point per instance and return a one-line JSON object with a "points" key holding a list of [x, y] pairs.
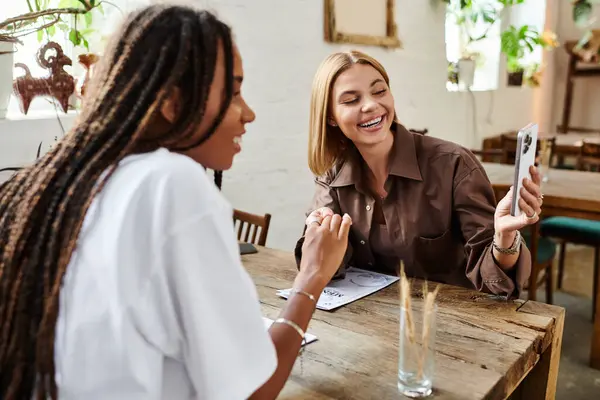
{"points": [[282, 44], [586, 93]]}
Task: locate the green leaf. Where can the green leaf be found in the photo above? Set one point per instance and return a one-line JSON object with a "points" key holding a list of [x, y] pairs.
{"points": [[88, 18], [523, 31], [489, 18], [75, 37], [529, 46], [51, 30], [86, 44], [40, 35]]}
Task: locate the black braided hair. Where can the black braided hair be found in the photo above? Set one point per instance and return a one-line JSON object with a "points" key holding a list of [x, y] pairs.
{"points": [[42, 207]]}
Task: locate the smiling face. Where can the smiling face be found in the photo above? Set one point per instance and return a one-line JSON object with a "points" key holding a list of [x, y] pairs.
{"points": [[361, 105], [219, 150]]}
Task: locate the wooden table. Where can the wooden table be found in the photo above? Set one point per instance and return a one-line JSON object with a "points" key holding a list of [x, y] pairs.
{"points": [[486, 347], [567, 193]]}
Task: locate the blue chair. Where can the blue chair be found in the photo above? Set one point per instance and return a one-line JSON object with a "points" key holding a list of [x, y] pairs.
{"points": [[578, 231]]}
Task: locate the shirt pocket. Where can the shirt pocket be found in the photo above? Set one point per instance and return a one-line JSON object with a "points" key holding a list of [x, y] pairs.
{"points": [[436, 255]]}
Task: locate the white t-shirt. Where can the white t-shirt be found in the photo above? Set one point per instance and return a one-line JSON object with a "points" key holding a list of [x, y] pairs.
{"points": [[155, 303]]}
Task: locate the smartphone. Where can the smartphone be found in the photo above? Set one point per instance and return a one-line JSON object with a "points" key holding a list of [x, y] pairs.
{"points": [[525, 158]]}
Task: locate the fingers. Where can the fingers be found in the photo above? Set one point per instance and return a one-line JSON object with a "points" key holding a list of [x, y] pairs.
{"points": [[529, 215], [531, 200], [326, 223], [325, 211], [532, 188], [345, 227], [336, 221], [536, 177], [313, 221], [316, 217]]}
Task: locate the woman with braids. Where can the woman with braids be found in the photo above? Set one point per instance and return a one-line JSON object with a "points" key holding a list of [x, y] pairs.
{"points": [[120, 275]]}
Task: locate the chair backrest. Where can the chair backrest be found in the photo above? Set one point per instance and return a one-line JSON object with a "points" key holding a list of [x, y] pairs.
{"points": [[508, 144], [248, 227], [589, 156], [509, 147]]}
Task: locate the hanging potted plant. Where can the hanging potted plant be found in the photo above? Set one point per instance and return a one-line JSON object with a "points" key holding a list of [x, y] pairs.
{"points": [[73, 17], [516, 44]]}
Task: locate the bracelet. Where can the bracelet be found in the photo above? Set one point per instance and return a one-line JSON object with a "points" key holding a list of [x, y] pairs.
{"points": [[513, 249], [310, 296], [292, 324]]}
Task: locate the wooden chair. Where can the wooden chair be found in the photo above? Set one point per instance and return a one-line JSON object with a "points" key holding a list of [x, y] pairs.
{"points": [[542, 252], [577, 230], [589, 156], [248, 226], [508, 144]]}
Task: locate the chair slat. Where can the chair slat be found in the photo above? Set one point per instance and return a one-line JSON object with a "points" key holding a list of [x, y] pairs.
{"points": [[257, 227]]}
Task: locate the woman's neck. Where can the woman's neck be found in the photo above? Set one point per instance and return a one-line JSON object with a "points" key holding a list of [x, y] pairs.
{"points": [[377, 158]]}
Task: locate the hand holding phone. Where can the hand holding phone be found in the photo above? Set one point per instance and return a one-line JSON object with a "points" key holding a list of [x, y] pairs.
{"points": [[524, 159]]}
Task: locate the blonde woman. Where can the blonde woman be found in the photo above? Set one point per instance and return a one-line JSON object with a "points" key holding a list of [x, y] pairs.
{"points": [[412, 197]]}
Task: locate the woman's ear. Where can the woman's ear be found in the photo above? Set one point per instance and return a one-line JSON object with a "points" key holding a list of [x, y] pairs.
{"points": [[172, 105], [331, 122]]}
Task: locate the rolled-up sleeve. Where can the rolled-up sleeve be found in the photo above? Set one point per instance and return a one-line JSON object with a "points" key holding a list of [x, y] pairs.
{"points": [[474, 206], [324, 196]]}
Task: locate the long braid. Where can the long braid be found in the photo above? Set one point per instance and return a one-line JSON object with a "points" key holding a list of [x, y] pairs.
{"points": [[42, 207]]}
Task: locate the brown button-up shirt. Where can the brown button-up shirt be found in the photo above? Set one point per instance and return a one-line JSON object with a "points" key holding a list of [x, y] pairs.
{"points": [[438, 216]]}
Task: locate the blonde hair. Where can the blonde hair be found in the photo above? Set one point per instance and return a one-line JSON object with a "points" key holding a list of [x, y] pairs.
{"points": [[326, 143]]}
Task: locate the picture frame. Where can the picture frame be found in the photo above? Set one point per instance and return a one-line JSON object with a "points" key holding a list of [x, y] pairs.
{"points": [[363, 22]]}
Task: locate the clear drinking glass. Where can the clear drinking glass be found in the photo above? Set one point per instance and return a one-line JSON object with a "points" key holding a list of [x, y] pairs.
{"points": [[545, 161], [416, 362]]}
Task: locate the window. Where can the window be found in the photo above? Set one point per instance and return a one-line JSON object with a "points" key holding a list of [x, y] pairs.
{"points": [[531, 13], [481, 38]]}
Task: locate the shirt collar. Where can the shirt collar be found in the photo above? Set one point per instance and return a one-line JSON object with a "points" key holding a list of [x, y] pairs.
{"points": [[403, 161]]}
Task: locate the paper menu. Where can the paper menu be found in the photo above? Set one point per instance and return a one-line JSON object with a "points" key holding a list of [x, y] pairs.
{"points": [[356, 284], [308, 337]]}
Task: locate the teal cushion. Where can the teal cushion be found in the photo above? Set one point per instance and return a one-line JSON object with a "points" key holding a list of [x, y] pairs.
{"points": [[568, 227], [546, 247]]}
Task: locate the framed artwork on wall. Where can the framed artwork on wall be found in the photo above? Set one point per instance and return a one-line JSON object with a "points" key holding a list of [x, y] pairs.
{"points": [[368, 22]]}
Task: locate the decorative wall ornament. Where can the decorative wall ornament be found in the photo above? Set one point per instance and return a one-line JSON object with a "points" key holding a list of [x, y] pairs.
{"points": [[369, 22], [58, 84]]}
